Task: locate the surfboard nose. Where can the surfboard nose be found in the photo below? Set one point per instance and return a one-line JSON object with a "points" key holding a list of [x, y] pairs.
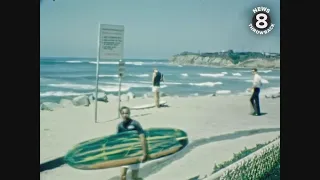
{"points": [[182, 137]]}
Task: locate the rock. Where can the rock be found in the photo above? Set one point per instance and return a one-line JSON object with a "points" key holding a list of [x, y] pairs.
{"points": [[148, 95], [101, 97], [273, 95], [127, 97], [213, 94], [162, 94], [124, 97], [65, 102], [130, 95], [223, 92], [81, 101], [112, 97], [145, 96], [50, 106]]}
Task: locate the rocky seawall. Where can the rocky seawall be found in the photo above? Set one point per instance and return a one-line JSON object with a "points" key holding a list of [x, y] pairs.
{"points": [[228, 59]]}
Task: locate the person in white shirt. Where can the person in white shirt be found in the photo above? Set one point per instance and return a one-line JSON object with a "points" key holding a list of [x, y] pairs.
{"points": [[255, 89]]}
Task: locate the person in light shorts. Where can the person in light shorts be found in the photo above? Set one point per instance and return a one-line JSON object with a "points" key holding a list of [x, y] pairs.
{"points": [[132, 167], [157, 77]]}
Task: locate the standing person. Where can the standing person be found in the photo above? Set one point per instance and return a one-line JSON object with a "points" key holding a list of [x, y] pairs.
{"points": [[255, 89], [157, 77], [129, 124]]}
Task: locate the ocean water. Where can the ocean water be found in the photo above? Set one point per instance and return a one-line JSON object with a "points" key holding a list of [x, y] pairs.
{"points": [[70, 77]]}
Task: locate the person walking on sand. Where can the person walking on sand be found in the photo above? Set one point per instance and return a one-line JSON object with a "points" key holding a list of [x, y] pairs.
{"points": [[255, 89], [129, 124], [157, 77]]}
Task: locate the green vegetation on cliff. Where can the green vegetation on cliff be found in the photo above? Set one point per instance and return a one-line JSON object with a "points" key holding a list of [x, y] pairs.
{"points": [[235, 57]]}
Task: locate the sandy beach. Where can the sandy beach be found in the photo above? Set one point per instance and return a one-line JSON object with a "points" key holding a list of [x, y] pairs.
{"points": [[217, 127]]}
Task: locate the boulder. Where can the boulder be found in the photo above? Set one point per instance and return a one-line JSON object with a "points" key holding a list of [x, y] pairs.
{"points": [[127, 97], [50, 106], [112, 97], [213, 94], [131, 95], [277, 95], [81, 101], [65, 102], [101, 97]]}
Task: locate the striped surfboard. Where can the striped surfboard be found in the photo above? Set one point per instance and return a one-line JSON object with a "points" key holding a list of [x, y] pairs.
{"points": [[125, 148]]}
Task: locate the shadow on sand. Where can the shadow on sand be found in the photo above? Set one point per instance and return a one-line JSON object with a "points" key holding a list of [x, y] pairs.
{"points": [[156, 166]]}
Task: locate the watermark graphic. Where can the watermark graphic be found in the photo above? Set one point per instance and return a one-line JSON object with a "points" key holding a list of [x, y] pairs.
{"points": [[261, 23]]}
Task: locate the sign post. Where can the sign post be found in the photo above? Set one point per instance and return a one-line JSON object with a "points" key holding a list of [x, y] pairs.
{"points": [[121, 71], [110, 47]]}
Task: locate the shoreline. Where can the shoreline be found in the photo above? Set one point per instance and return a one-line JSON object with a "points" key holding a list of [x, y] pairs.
{"points": [[114, 96]]}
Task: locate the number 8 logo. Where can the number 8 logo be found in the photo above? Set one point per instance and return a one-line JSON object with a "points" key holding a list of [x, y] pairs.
{"points": [[261, 19]]}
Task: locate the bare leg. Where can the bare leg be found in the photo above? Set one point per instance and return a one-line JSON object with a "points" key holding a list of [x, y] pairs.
{"points": [[123, 173], [158, 99]]}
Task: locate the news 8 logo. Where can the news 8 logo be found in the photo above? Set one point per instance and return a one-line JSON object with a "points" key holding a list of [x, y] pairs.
{"points": [[261, 21]]}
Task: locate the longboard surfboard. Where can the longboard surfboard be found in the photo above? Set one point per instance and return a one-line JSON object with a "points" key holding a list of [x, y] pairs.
{"points": [[148, 106], [125, 148]]}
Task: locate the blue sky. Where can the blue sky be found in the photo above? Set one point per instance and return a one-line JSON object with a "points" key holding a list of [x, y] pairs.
{"points": [[155, 28]]}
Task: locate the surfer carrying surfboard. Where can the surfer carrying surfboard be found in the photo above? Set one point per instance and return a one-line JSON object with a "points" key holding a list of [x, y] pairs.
{"points": [[129, 124], [157, 77]]}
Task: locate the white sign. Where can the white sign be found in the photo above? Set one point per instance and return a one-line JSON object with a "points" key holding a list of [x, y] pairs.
{"points": [[111, 42]]}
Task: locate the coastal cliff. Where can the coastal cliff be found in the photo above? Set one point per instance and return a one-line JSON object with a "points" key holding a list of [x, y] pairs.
{"points": [[228, 59]]}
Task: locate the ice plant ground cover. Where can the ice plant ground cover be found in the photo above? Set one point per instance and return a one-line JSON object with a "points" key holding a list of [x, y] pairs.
{"points": [[263, 166]]}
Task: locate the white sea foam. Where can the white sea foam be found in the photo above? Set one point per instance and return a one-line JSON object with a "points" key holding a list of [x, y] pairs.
{"points": [[135, 85], [184, 74], [166, 82], [271, 77], [103, 62], [139, 75], [106, 88], [209, 84], [236, 74], [73, 86], [172, 83], [224, 73], [114, 88], [116, 75], [223, 92], [136, 63], [108, 75], [265, 71], [261, 71], [59, 93], [212, 75], [73, 61]]}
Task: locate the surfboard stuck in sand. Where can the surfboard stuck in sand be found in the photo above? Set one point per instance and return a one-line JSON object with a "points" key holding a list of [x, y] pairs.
{"points": [[146, 106], [125, 148]]}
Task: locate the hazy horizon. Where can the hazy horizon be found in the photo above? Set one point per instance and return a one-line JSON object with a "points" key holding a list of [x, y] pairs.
{"points": [[155, 29]]}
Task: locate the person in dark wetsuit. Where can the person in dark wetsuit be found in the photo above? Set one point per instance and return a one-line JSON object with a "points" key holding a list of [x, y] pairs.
{"points": [[129, 124], [157, 77]]}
